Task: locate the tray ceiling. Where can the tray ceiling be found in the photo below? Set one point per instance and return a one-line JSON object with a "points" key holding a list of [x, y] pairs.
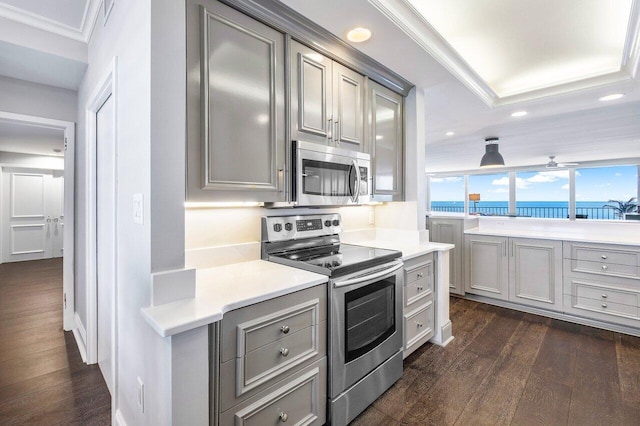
{"points": [[509, 51]]}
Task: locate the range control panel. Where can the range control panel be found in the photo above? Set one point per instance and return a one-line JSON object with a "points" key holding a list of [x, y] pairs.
{"points": [[283, 228]]}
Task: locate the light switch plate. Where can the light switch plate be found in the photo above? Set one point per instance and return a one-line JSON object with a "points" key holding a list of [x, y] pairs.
{"points": [[138, 208]]}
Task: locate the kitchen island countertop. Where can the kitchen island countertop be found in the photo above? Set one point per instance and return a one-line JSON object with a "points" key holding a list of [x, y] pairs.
{"points": [[225, 288], [409, 249]]}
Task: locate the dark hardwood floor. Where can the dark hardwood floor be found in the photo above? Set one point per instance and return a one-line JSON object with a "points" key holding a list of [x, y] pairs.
{"points": [[506, 367], [43, 380]]}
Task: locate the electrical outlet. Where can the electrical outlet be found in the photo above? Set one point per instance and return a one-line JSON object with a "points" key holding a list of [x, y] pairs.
{"points": [[141, 394]]}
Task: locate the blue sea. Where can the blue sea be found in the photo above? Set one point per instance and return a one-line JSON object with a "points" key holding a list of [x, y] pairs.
{"points": [[548, 209]]}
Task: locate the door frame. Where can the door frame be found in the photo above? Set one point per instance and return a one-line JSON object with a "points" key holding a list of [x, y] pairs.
{"points": [[68, 258], [106, 87]]}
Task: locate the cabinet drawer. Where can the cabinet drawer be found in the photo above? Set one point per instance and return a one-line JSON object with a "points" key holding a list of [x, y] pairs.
{"points": [[418, 324], [249, 328], [242, 377], [300, 399], [600, 307], [605, 254], [417, 291], [601, 268], [604, 294], [419, 270]]}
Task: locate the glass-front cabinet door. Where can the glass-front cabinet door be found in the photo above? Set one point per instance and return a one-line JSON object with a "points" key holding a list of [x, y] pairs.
{"points": [[386, 141]]}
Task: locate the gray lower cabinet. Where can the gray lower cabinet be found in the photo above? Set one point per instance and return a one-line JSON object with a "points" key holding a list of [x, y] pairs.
{"points": [[451, 231], [386, 139], [270, 362], [327, 100], [522, 270], [418, 310], [235, 106]]}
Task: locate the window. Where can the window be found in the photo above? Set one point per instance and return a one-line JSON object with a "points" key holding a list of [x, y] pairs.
{"points": [[606, 192], [543, 194], [493, 192], [447, 194]]}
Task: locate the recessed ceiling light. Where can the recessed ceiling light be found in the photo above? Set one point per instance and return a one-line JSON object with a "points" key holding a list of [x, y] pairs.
{"points": [[519, 113], [612, 97], [358, 35], [449, 134]]}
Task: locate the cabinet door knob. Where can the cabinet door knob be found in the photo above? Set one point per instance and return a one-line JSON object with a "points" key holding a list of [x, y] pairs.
{"points": [[284, 352], [420, 288], [604, 256], [283, 416], [419, 324], [604, 295], [420, 275], [285, 329], [604, 305], [605, 267]]}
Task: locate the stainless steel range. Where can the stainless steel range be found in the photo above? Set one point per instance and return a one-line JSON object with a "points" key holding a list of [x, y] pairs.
{"points": [[365, 299]]}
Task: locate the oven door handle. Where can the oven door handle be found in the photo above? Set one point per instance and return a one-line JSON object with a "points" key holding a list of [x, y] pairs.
{"points": [[369, 277]]}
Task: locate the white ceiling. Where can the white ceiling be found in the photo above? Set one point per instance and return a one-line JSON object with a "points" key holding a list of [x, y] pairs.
{"points": [[567, 120], [30, 139], [70, 18], [521, 46]]}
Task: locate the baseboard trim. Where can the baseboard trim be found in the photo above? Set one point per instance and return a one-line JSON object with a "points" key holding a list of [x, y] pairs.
{"points": [[119, 419], [555, 315], [80, 335]]}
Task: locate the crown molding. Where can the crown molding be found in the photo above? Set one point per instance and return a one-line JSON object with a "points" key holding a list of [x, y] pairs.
{"points": [[82, 34], [405, 17]]}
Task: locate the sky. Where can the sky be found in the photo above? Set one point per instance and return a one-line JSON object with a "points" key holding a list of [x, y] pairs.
{"points": [[593, 184]]}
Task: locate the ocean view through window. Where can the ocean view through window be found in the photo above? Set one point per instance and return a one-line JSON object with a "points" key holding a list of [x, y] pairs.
{"points": [[600, 193]]}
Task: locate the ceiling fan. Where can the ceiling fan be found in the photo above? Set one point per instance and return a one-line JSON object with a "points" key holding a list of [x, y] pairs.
{"points": [[552, 164]]}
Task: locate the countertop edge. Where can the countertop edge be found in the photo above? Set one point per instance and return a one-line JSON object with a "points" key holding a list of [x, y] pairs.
{"points": [[166, 329], [548, 235]]}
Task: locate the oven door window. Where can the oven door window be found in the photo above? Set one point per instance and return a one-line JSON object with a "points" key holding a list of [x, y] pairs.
{"points": [[369, 317], [326, 179]]}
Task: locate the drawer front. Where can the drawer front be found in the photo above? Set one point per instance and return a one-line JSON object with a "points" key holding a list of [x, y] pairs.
{"points": [[272, 328], [418, 324], [298, 400], [248, 328], [606, 295], [421, 272], [607, 269], [417, 291], [598, 309], [241, 378], [606, 254]]}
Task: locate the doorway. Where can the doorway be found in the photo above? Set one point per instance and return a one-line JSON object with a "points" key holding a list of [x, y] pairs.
{"points": [[37, 170]]}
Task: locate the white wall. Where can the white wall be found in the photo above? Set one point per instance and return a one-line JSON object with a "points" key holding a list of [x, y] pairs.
{"points": [[23, 97], [12, 159], [142, 353]]}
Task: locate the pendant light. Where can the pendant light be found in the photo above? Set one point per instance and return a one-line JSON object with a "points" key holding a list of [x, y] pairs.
{"points": [[491, 157]]}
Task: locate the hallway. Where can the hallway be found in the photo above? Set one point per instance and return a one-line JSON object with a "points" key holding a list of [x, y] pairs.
{"points": [[43, 380]]}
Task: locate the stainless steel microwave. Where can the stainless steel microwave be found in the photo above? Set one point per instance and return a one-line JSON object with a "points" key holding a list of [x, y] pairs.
{"points": [[327, 176]]}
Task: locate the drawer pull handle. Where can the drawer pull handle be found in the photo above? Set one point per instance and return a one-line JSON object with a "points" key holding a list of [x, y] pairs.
{"points": [[284, 352], [604, 256], [604, 296], [420, 288], [604, 305], [419, 324], [605, 267], [420, 275], [283, 417], [285, 329]]}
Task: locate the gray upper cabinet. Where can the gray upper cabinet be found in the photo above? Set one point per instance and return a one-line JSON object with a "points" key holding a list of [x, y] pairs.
{"points": [[386, 143], [235, 106], [327, 100]]}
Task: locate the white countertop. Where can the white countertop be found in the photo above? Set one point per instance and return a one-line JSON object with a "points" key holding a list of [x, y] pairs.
{"points": [[225, 288], [631, 238], [409, 250]]}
